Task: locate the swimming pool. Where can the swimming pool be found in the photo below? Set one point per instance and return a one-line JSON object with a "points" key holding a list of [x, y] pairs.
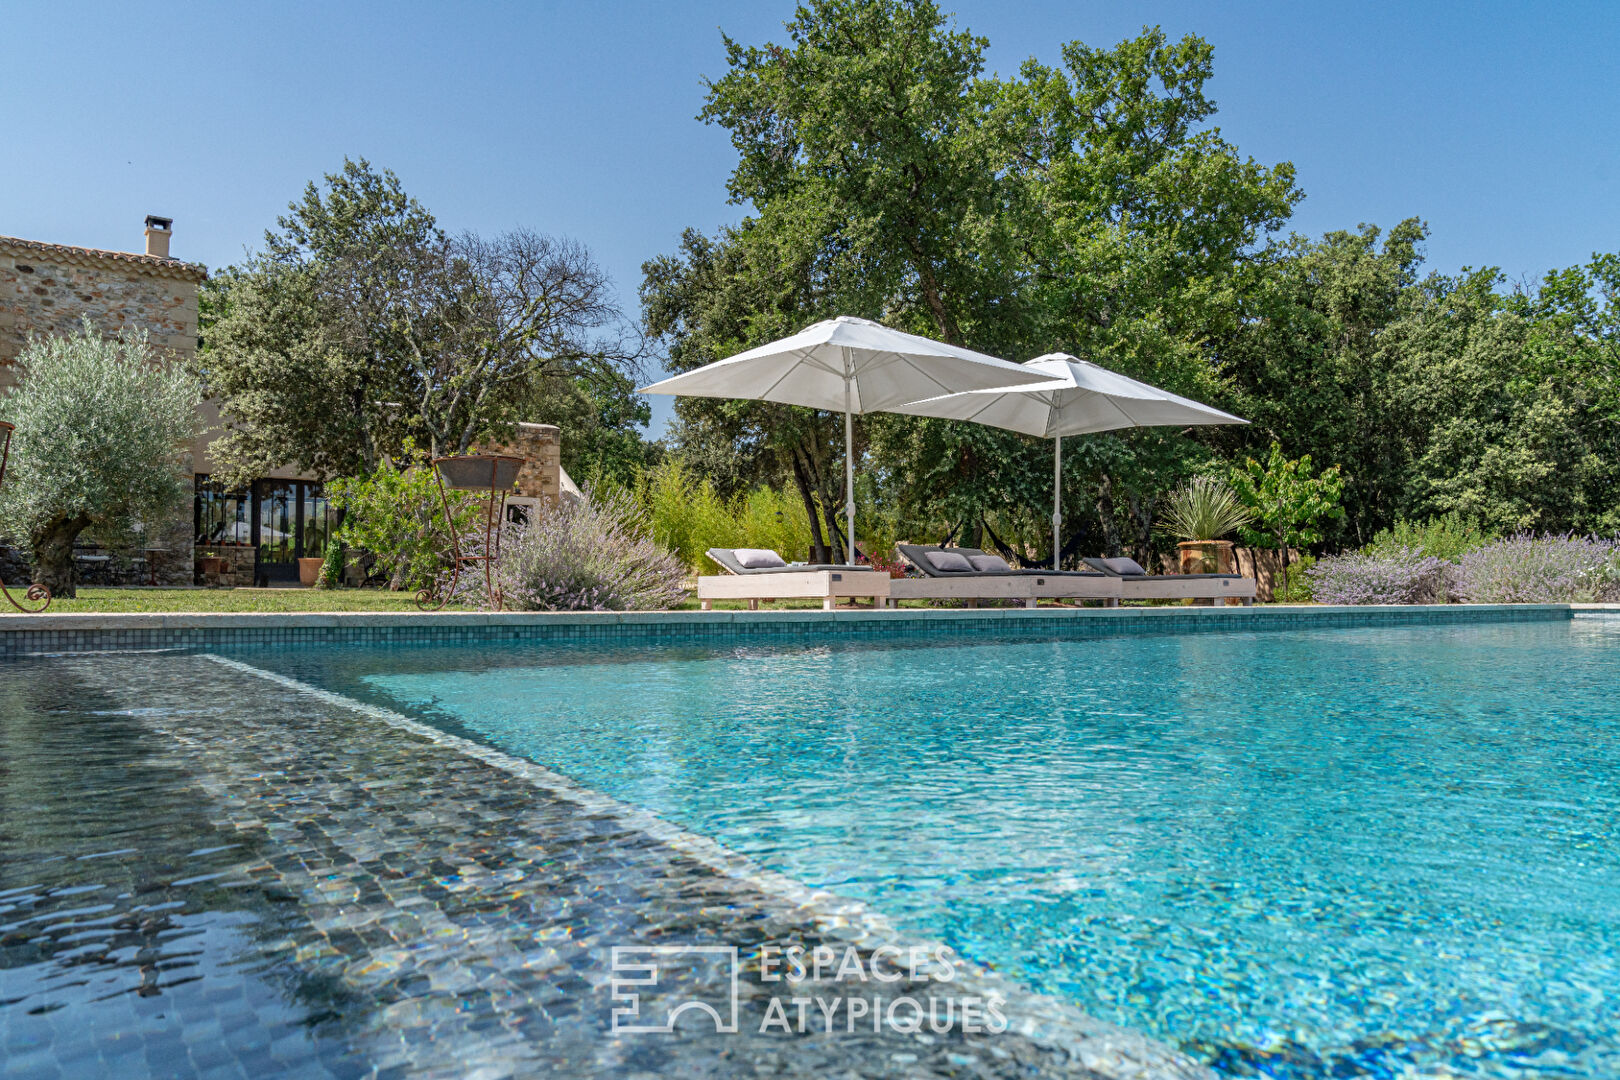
{"points": [[1305, 853]]}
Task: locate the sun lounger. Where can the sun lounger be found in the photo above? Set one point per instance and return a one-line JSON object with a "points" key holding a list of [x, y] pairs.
{"points": [[754, 575], [945, 578], [1136, 584]]}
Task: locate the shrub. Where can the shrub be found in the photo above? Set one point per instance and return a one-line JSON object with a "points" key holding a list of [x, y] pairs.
{"points": [[1296, 586], [1449, 537], [1551, 569], [396, 515], [589, 555], [1288, 504], [1204, 509], [684, 513], [1402, 576], [332, 567], [1605, 577], [773, 519]]}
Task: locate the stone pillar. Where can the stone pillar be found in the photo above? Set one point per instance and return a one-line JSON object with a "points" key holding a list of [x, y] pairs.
{"points": [[541, 477]]}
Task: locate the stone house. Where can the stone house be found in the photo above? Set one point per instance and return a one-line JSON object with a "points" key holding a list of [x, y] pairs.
{"points": [[262, 530]]}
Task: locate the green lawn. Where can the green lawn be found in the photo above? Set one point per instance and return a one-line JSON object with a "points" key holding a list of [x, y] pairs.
{"points": [[109, 601], [113, 601], [141, 600]]}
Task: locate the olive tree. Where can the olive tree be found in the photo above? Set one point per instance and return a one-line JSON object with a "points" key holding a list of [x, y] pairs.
{"points": [[101, 427]]}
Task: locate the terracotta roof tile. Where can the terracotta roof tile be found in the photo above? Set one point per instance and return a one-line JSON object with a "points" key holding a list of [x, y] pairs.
{"points": [[84, 256]]}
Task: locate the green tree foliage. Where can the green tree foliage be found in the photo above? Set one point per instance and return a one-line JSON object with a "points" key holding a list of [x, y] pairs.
{"points": [[362, 323], [302, 342], [1288, 503], [1088, 207], [1091, 206], [1312, 370], [102, 425], [1438, 394]]}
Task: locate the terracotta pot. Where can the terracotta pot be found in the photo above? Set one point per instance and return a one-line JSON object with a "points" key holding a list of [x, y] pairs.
{"points": [[309, 571], [212, 564], [1205, 556]]}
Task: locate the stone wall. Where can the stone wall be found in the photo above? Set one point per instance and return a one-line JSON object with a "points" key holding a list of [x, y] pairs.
{"points": [[48, 288], [239, 564]]}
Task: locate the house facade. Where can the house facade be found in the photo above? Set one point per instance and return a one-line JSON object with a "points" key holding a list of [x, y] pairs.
{"points": [[260, 530]]}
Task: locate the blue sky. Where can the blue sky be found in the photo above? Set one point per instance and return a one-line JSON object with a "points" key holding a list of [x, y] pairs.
{"points": [[1497, 122]]}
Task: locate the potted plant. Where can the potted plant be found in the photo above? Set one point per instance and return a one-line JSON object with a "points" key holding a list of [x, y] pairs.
{"points": [[1198, 515], [309, 571], [211, 562]]}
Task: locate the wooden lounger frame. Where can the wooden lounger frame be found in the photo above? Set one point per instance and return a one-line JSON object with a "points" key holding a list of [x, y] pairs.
{"points": [[828, 586], [1028, 588], [1215, 587]]}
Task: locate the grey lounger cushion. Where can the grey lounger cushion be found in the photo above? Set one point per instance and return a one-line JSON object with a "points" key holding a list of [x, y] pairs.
{"points": [[990, 564], [758, 558], [727, 558], [948, 562], [917, 555], [1108, 566]]}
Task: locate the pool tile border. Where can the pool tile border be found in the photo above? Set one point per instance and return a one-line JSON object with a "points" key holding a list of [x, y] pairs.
{"points": [[31, 634]]}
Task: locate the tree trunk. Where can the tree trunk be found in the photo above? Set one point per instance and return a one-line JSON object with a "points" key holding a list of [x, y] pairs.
{"points": [[1105, 512], [1142, 517], [53, 554], [830, 503], [818, 546], [975, 534], [932, 295]]}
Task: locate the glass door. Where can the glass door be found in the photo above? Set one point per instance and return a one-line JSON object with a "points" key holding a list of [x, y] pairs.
{"points": [[275, 529], [291, 520]]}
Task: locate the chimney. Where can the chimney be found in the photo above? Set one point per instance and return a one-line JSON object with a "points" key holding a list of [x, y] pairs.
{"points": [[158, 232]]}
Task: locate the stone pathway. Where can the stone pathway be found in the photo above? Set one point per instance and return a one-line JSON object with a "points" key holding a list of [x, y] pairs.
{"points": [[457, 910]]}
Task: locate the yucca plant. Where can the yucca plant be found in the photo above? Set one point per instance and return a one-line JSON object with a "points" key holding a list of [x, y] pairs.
{"points": [[1203, 509]]}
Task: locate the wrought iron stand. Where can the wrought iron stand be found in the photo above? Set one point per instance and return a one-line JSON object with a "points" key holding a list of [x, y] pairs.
{"points": [[494, 473], [36, 594]]}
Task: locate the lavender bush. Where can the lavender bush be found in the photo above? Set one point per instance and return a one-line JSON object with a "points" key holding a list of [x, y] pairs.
{"points": [[1529, 569], [589, 555], [1393, 576]]}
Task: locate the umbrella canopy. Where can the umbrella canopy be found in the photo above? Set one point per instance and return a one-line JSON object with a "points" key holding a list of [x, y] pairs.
{"points": [[851, 366], [1082, 397]]}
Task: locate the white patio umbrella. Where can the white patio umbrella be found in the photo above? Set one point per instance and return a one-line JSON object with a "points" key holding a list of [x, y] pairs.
{"points": [[1082, 398], [849, 365]]}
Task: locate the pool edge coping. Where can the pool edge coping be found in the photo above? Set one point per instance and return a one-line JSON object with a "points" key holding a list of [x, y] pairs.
{"points": [[11, 622]]}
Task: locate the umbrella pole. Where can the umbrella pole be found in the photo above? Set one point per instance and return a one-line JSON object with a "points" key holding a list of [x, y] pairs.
{"points": [[849, 467], [1057, 503]]}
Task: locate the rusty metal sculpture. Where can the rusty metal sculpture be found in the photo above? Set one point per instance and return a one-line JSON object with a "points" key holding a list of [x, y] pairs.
{"points": [[494, 473], [36, 594]]}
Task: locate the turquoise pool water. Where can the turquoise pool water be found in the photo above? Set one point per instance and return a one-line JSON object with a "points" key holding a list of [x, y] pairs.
{"points": [[1348, 852]]}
